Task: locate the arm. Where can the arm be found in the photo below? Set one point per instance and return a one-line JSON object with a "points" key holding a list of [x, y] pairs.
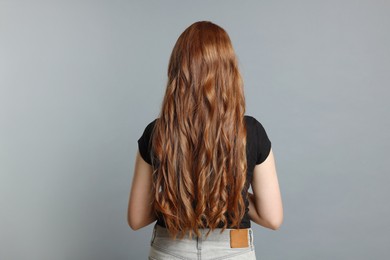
{"points": [[253, 212], [140, 210], [265, 204]]}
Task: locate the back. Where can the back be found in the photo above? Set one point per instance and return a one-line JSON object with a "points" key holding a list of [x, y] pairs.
{"points": [[257, 150]]}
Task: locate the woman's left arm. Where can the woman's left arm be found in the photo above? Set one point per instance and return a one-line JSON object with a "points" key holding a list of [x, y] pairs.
{"points": [[140, 209]]}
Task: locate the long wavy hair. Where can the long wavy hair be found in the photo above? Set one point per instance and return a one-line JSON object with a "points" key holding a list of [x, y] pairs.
{"points": [[199, 139]]}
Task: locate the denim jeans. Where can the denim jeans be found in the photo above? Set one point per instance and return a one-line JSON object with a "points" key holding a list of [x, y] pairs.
{"points": [[215, 247]]}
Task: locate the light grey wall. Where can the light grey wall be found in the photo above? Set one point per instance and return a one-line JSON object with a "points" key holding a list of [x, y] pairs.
{"points": [[79, 81]]}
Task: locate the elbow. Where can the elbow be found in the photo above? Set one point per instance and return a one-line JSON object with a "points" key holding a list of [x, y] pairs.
{"points": [[276, 220], [276, 224], [138, 220], [133, 224]]}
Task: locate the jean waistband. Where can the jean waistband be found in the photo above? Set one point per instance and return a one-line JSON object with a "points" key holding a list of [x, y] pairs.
{"points": [[214, 235]]}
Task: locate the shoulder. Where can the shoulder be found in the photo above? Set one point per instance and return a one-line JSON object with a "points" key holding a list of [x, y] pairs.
{"points": [[262, 143], [249, 119], [256, 129], [144, 142], [147, 132], [252, 123], [149, 127], [152, 123]]}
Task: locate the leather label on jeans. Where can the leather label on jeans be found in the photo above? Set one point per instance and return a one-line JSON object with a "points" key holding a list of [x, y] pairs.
{"points": [[239, 238]]}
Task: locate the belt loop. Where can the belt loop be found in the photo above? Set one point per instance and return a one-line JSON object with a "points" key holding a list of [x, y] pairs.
{"points": [[251, 237], [153, 234]]}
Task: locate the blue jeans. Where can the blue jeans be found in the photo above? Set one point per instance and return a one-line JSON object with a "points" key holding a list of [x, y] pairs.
{"points": [[215, 247]]}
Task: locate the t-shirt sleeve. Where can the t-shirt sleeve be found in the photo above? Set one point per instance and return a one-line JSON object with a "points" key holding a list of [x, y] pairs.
{"points": [[144, 144], [262, 142]]}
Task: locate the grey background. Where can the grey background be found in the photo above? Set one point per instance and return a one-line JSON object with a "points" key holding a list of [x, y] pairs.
{"points": [[80, 80]]}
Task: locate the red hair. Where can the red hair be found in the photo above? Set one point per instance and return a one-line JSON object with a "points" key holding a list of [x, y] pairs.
{"points": [[199, 139]]}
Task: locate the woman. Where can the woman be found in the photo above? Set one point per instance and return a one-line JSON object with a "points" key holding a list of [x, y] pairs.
{"points": [[197, 159]]}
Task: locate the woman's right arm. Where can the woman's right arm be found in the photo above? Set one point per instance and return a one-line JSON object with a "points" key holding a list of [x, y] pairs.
{"points": [[265, 204]]}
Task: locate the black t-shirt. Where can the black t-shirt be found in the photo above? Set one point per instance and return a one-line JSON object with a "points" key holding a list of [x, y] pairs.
{"points": [[257, 149]]}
